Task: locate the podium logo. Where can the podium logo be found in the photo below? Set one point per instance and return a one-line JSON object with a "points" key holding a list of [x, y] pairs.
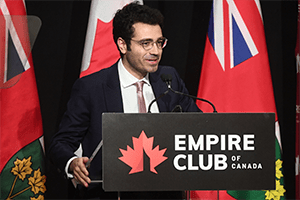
{"points": [[135, 157]]}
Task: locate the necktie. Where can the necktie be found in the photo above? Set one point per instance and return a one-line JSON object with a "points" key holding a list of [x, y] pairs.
{"points": [[141, 100]]}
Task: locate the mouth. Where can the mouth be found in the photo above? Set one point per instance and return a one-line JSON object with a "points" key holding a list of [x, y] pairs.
{"points": [[152, 60]]}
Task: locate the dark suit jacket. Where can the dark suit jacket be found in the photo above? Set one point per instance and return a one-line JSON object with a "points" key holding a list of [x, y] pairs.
{"points": [[98, 93]]}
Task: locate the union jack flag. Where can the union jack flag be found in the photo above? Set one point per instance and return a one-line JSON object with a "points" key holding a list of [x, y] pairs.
{"points": [[227, 25]]}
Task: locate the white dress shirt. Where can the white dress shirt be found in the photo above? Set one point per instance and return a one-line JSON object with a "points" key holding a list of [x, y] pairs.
{"points": [[129, 94]]}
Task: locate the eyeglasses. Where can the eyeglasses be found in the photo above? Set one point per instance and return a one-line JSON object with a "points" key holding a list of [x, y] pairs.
{"points": [[148, 43]]}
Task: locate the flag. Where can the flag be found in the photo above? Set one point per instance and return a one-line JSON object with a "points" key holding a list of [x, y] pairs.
{"points": [[21, 134], [297, 147], [236, 77], [100, 51]]}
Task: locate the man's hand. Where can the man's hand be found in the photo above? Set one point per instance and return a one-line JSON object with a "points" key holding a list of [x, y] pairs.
{"points": [[80, 173]]}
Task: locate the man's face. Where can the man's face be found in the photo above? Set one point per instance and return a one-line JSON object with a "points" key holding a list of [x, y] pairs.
{"points": [[139, 61]]}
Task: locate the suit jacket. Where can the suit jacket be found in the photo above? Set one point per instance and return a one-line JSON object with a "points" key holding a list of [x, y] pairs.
{"points": [[98, 93]]}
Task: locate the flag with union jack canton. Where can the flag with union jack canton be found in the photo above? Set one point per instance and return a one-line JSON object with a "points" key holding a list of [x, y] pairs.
{"points": [[21, 132], [236, 77]]}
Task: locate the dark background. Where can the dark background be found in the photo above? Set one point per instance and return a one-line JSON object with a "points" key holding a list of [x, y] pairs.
{"points": [[58, 49]]}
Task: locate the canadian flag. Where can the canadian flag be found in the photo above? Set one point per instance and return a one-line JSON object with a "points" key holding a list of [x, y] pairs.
{"points": [[100, 51]]}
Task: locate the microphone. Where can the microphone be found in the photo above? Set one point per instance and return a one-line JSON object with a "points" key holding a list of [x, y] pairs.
{"points": [[167, 78]]}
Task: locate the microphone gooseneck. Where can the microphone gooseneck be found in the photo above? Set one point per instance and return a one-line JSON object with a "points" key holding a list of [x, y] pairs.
{"points": [[163, 94], [167, 78]]}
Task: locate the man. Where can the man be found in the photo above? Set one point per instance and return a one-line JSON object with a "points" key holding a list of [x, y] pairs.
{"points": [[137, 31]]}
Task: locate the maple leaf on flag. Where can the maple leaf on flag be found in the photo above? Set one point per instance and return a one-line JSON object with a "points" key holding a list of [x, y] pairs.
{"points": [[135, 157]]}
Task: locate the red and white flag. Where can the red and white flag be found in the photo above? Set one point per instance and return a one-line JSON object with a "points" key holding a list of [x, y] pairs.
{"points": [[21, 131], [236, 77], [100, 51], [297, 143]]}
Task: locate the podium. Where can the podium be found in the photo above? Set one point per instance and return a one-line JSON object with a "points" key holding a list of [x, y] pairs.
{"points": [[188, 151]]}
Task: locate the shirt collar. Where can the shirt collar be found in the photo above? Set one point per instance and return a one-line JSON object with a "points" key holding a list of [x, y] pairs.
{"points": [[127, 79]]}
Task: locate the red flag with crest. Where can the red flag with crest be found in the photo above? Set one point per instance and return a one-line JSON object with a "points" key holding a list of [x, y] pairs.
{"points": [[21, 150], [236, 77]]}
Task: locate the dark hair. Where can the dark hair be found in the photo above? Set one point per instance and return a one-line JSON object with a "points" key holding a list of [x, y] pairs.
{"points": [[133, 13]]}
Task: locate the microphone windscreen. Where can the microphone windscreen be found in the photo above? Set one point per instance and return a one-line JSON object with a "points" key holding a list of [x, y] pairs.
{"points": [[166, 77]]}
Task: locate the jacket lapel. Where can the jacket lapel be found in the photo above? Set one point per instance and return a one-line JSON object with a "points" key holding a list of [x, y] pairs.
{"points": [[159, 87], [112, 91]]}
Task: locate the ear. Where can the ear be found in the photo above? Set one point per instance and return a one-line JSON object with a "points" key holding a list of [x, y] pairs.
{"points": [[122, 45]]}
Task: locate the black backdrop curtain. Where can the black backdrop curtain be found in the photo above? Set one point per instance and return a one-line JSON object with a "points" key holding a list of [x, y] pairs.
{"points": [[58, 49]]}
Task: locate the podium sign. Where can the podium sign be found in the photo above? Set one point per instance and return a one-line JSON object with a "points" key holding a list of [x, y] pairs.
{"points": [[188, 151]]}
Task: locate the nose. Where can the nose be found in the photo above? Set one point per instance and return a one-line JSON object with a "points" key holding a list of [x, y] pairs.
{"points": [[155, 50]]}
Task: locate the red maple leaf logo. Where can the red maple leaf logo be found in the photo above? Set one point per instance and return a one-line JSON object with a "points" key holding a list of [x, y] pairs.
{"points": [[135, 157]]}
